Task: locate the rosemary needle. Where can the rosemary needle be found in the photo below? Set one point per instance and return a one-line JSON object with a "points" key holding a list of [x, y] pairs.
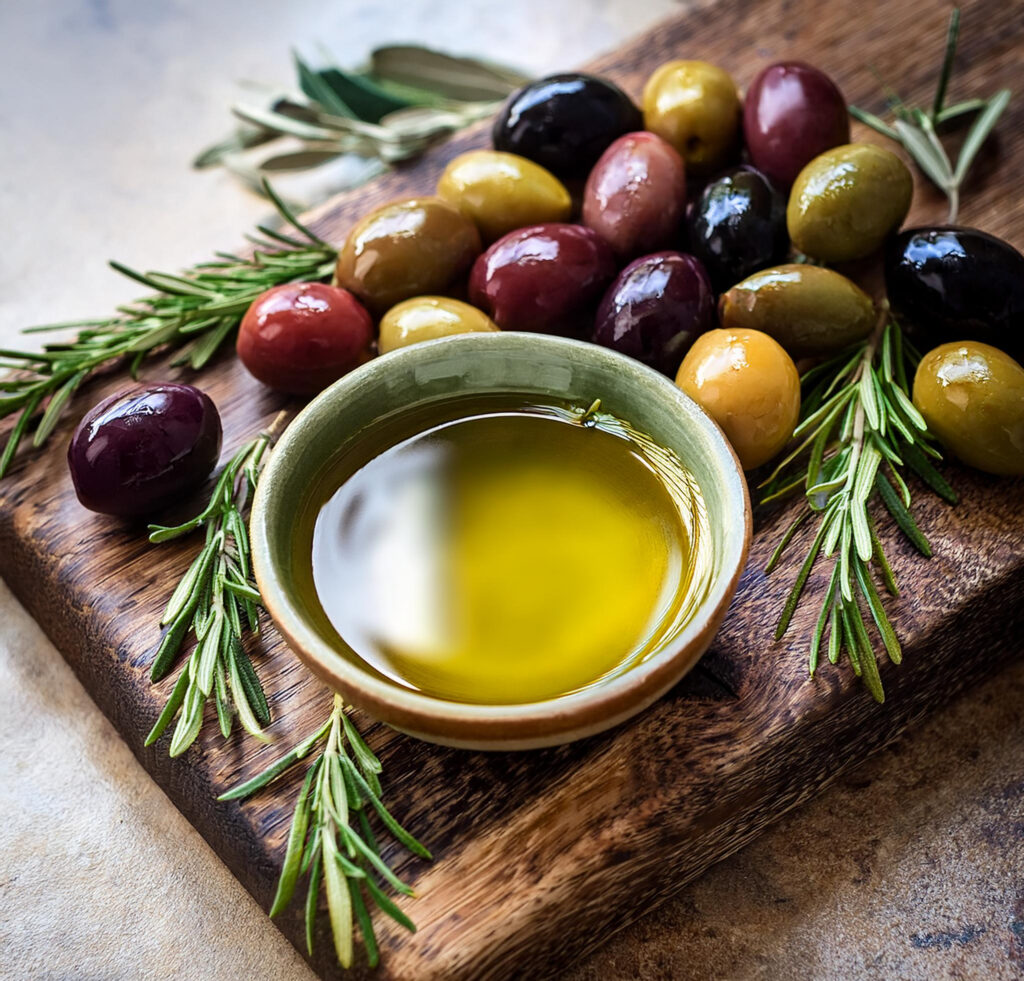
{"points": [[196, 311], [332, 839], [217, 602]]}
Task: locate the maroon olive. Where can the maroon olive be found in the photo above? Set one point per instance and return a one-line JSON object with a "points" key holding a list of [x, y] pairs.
{"points": [[792, 113], [543, 278], [636, 194], [656, 308], [142, 448]]}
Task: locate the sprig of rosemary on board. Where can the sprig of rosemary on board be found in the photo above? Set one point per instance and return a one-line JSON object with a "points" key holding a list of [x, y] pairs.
{"points": [[216, 601], [332, 839], [197, 310], [858, 433], [917, 129]]}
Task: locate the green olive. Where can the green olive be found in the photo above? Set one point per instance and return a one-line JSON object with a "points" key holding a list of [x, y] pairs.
{"points": [[807, 309], [503, 191], [972, 397], [748, 384], [846, 201], [406, 248], [424, 318], [694, 106]]}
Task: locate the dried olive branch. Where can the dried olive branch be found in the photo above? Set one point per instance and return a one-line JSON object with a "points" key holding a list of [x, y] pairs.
{"points": [[216, 601], [196, 310], [917, 129], [342, 785], [857, 433]]}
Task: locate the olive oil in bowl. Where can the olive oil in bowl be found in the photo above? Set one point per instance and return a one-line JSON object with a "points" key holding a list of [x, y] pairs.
{"points": [[494, 550]]}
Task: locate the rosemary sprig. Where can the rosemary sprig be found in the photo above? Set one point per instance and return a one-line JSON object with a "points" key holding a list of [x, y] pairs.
{"points": [[917, 129], [858, 433], [331, 836], [196, 310], [218, 603]]}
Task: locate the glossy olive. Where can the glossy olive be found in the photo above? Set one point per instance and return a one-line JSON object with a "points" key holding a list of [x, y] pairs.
{"points": [[565, 122], [792, 113], [636, 195], [544, 278], [301, 337], [144, 448], [424, 318], [748, 384], [847, 201], [972, 397], [809, 310], [953, 283], [503, 191], [694, 105], [406, 248], [655, 309], [737, 226]]}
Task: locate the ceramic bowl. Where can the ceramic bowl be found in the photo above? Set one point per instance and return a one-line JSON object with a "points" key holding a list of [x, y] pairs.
{"points": [[496, 363]]}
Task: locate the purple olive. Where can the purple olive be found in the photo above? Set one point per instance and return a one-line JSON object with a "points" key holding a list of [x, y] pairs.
{"points": [[545, 278], [793, 112], [656, 308], [636, 194], [142, 448]]}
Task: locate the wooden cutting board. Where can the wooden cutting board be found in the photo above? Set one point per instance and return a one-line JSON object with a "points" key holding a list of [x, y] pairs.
{"points": [[541, 856]]}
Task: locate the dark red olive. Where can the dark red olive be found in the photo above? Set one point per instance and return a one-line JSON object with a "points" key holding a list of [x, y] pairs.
{"points": [[656, 308], [792, 113], [738, 226], [565, 122], [544, 278], [952, 283], [300, 337], [141, 449], [636, 194]]}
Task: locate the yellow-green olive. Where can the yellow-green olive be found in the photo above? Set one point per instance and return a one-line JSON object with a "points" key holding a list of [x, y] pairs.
{"points": [[406, 248], [503, 191], [424, 318], [747, 383], [807, 309], [847, 201], [695, 107], [972, 397]]}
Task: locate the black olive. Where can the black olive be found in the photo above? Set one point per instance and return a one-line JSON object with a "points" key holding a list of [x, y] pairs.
{"points": [[565, 122], [738, 226], [951, 283]]}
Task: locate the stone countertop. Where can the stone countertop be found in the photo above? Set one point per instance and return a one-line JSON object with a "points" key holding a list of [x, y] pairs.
{"points": [[912, 866]]}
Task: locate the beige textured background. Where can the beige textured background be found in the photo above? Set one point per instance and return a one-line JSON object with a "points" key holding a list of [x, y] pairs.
{"points": [[912, 867]]}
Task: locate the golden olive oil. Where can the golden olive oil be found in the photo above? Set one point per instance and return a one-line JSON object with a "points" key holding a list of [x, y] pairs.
{"points": [[499, 551]]}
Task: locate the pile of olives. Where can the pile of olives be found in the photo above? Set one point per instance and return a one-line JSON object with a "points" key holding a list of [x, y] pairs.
{"points": [[692, 233]]}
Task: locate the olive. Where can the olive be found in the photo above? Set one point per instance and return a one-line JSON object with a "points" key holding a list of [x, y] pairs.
{"points": [[543, 278], [144, 447], [847, 201], [501, 192], [737, 226], [565, 122], [950, 283], [655, 309], [404, 249], [792, 113], [972, 397], [424, 318], [301, 337], [809, 310], [636, 195], [694, 105], [748, 384]]}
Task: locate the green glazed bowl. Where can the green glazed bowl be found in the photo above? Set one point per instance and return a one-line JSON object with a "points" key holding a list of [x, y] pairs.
{"points": [[530, 364]]}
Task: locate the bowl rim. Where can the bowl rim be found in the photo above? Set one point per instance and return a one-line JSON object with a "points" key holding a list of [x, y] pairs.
{"points": [[511, 725]]}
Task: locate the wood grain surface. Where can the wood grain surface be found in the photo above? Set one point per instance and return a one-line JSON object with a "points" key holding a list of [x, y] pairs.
{"points": [[541, 856]]}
